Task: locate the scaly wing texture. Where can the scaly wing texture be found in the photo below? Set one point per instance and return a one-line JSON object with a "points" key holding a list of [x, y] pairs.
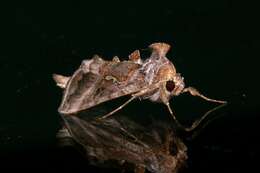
{"points": [[98, 81]]}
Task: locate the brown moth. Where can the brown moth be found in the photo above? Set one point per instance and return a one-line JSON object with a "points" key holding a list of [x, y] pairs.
{"points": [[97, 81]]}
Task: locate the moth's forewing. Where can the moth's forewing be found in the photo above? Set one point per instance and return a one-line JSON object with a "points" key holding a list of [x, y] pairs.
{"points": [[86, 89], [61, 81], [78, 89]]}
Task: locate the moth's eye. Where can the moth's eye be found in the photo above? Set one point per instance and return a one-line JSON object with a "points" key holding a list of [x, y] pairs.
{"points": [[170, 85]]}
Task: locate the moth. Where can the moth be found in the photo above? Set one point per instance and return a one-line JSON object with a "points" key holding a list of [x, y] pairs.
{"points": [[98, 80]]}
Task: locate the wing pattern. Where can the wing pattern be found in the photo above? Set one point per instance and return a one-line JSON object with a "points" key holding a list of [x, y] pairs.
{"points": [[98, 81]]}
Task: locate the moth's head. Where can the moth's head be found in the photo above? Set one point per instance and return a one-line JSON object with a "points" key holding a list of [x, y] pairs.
{"points": [[174, 85], [173, 82]]}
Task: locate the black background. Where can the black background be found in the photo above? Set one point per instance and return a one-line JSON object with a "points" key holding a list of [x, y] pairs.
{"points": [[213, 45]]}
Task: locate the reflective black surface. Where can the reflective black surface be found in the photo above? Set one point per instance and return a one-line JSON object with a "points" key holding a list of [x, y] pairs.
{"points": [[213, 46]]}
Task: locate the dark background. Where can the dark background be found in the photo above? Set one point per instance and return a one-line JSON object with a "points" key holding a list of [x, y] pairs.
{"points": [[213, 45]]}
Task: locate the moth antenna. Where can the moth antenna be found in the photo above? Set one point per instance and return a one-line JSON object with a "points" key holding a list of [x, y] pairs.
{"points": [[160, 48], [174, 117], [60, 80]]}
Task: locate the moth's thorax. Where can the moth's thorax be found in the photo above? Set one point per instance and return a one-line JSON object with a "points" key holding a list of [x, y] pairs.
{"points": [[157, 69], [161, 70], [165, 72]]}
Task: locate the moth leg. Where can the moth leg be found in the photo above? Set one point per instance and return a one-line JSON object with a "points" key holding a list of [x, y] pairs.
{"points": [[195, 92], [134, 96], [117, 109], [165, 100], [174, 117]]}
